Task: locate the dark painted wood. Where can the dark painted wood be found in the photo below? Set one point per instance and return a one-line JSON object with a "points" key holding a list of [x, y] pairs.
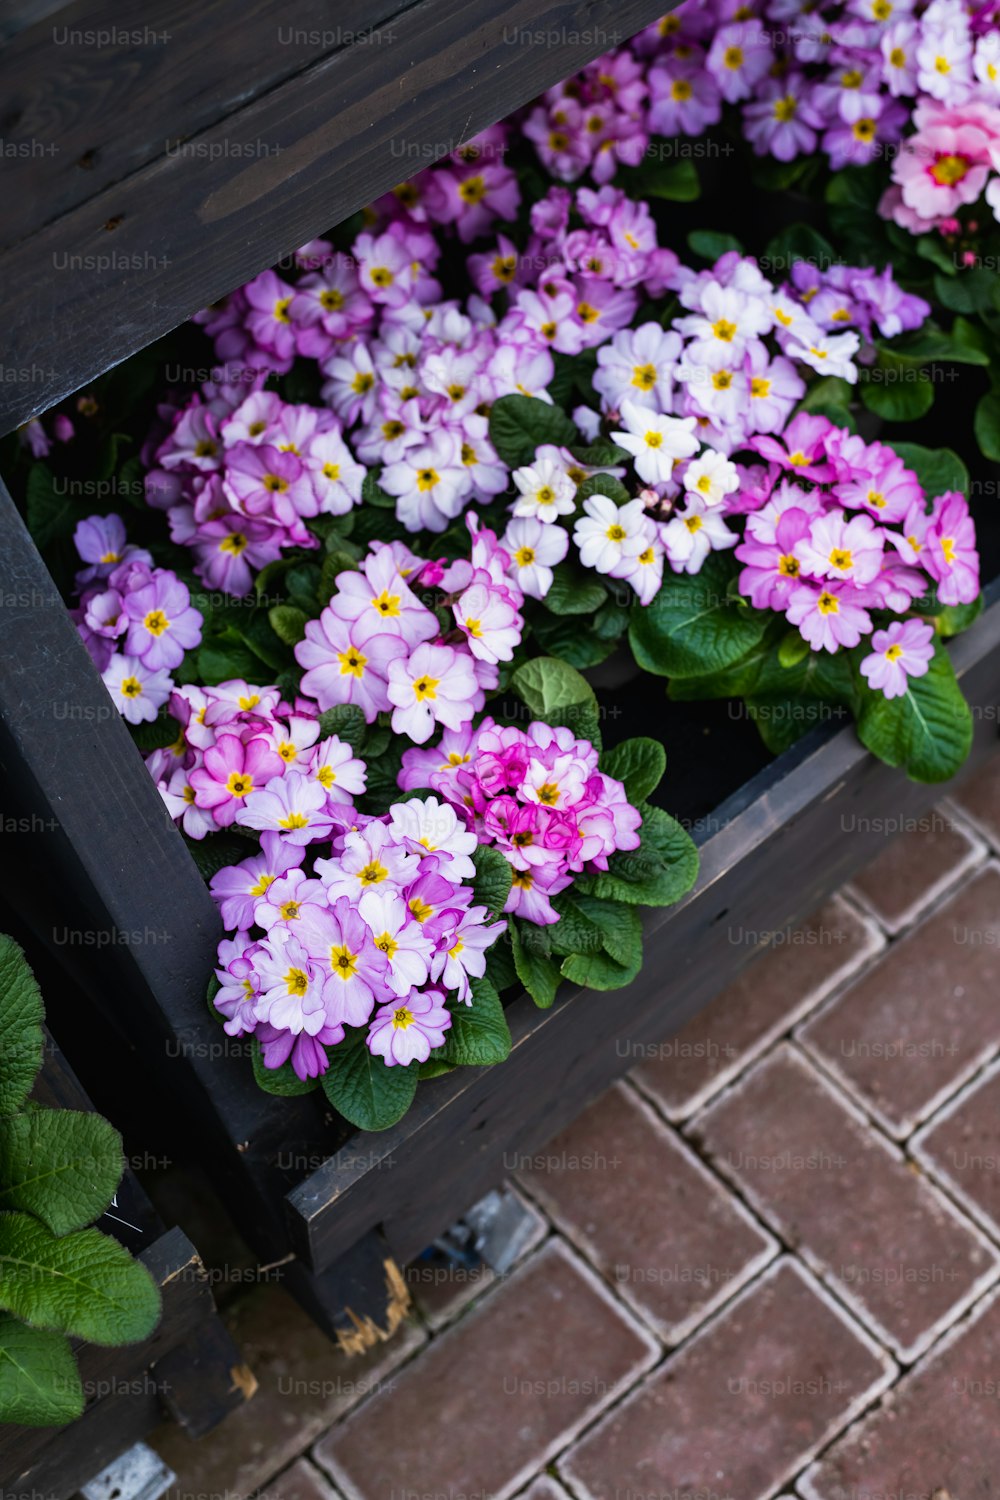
{"points": [[772, 854], [180, 230]]}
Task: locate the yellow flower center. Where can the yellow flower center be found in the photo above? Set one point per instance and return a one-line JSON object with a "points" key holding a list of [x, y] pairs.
{"points": [[373, 873], [789, 566], [294, 820], [724, 330], [239, 784], [784, 109], [387, 943], [281, 309], [828, 604], [297, 981], [419, 909], [156, 622], [616, 533], [548, 793], [343, 962], [948, 170], [680, 90], [387, 604], [424, 687], [352, 663], [759, 386], [427, 479], [331, 299], [402, 1018], [841, 557], [893, 653], [524, 556], [235, 543]]}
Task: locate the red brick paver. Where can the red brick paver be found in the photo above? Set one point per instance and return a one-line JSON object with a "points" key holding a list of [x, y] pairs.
{"points": [[741, 1408], [654, 1222], [886, 1241], [936, 1435], [961, 1148], [301, 1482], [917, 868], [776, 990], [923, 1019], [498, 1394], [978, 798]]}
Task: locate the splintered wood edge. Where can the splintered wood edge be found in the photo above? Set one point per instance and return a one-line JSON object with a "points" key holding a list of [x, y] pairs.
{"points": [[365, 1333]]}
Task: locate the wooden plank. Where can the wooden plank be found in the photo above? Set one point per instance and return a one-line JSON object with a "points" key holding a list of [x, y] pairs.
{"points": [[147, 251], [75, 78], [774, 852]]}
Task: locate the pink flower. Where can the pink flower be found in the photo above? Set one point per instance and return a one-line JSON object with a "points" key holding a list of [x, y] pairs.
{"points": [[342, 946], [943, 166], [405, 1031], [489, 621], [838, 547], [291, 804], [397, 933], [231, 771], [827, 617], [348, 663], [899, 653], [773, 570], [162, 623], [436, 685], [379, 592], [950, 555], [238, 888]]}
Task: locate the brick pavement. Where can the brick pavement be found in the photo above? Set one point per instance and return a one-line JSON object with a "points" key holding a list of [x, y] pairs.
{"points": [[764, 1267]]}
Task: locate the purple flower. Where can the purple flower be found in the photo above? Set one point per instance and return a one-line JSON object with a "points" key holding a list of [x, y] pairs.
{"points": [[231, 772], [348, 663], [291, 804], [238, 888], [343, 948], [163, 623], [138, 690]]}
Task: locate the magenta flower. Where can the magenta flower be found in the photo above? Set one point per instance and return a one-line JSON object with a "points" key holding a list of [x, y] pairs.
{"points": [[291, 983], [950, 555], [836, 546], [772, 569], [899, 653], [231, 771], [405, 1031], [239, 984], [163, 623], [229, 549], [291, 804], [267, 484]]}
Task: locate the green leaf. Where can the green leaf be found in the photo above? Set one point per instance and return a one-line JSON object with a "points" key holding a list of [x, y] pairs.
{"points": [[372, 493], [987, 425], [952, 619], [491, 885], [693, 626], [927, 731], [283, 1081], [711, 243], [364, 1090], [567, 637], [793, 649], [600, 971], [479, 1034], [602, 454], [347, 722], [897, 392], [164, 730], [84, 1284], [573, 592], [535, 970], [39, 1382], [220, 661], [578, 930], [677, 182], [500, 970], [434, 1067], [62, 1165], [520, 424], [49, 514], [930, 345], [638, 764], [974, 290], [658, 873], [21, 1015], [603, 484], [938, 469], [795, 242], [288, 623], [547, 685]]}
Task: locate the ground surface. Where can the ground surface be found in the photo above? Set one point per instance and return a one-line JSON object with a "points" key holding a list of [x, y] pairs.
{"points": [[767, 1264]]}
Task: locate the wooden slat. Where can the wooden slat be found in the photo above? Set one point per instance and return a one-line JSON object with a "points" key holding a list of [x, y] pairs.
{"points": [[177, 233], [778, 848], [166, 72]]}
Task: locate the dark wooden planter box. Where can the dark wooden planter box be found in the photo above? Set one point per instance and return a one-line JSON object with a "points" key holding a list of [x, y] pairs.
{"points": [[150, 232], [148, 928], [189, 1369]]}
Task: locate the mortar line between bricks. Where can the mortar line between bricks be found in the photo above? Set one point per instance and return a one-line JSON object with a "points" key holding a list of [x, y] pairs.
{"points": [[770, 1249], [814, 1263], [945, 1342], [978, 857], [798, 1018], [949, 1188], [860, 1332]]}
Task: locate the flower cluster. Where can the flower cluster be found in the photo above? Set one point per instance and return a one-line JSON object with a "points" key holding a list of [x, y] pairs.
{"points": [[136, 620], [242, 755], [836, 78], [841, 529], [536, 795], [378, 646], [380, 934]]}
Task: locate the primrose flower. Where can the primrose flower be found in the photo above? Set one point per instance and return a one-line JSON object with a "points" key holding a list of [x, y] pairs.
{"points": [[436, 684], [534, 550], [238, 888], [465, 955], [333, 765], [489, 621], [348, 663], [342, 946], [655, 441], [397, 934], [902, 651], [950, 555], [610, 532], [179, 796], [405, 1031], [428, 826], [291, 984], [231, 771], [712, 477], [139, 692], [293, 805], [546, 491], [162, 623], [693, 533], [827, 617], [371, 858]]}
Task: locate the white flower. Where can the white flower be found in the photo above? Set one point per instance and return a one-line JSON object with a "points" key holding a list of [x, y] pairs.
{"points": [[139, 693], [727, 316], [644, 570], [437, 828], [693, 534], [655, 441], [828, 354], [546, 491], [712, 477], [534, 551], [638, 366], [609, 532]]}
